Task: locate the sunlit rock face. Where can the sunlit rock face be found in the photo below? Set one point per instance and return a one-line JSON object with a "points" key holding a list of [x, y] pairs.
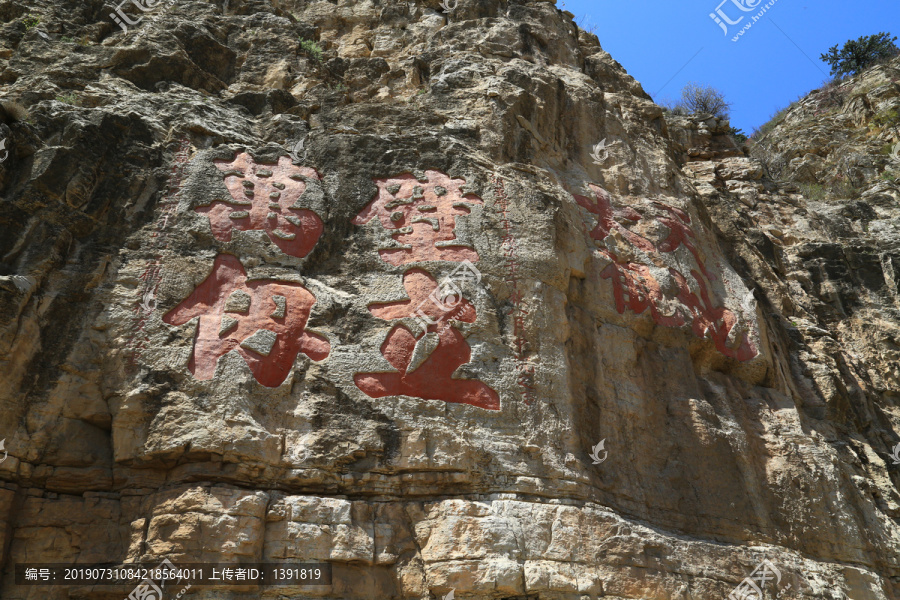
{"points": [[434, 295]]}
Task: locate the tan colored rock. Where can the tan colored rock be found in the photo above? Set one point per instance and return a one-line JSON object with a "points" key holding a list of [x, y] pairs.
{"points": [[500, 326]]}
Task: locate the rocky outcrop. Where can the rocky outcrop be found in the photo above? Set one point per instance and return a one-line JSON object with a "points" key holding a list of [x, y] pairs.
{"points": [[701, 137], [436, 296], [841, 140]]}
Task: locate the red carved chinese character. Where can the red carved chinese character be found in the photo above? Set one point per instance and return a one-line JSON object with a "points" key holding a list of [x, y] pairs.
{"points": [[635, 288], [422, 216], [606, 218], [263, 320], [263, 197], [425, 364], [718, 321], [680, 233]]}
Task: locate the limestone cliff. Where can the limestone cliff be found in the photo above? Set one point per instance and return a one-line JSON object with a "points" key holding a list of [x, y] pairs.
{"points": [[434, 294]]}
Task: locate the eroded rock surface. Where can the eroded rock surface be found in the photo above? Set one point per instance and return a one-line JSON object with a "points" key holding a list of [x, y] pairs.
{"points": [[396, 345]]}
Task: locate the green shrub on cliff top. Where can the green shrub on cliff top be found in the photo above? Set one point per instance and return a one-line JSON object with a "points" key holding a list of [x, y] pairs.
{"points": [[860, 53]]}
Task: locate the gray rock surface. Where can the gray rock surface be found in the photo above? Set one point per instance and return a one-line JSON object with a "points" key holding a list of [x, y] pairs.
{"points": [[473, 295]]}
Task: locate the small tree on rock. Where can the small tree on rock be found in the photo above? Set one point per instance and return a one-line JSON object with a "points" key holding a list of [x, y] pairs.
{"points": [[860, 53], [696, 98]]}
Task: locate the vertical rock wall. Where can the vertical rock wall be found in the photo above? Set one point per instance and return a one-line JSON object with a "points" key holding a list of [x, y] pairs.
{"points": [[396, 346]]}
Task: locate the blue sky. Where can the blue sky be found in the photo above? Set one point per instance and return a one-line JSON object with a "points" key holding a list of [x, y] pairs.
{"points": [[665, 44]]}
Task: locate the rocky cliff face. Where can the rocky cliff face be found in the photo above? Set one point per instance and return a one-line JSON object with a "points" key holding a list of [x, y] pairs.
{"points": [[358, 283]]}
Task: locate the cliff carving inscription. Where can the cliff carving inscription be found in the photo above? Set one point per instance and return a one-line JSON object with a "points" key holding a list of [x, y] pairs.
{"points": [[263, 198], [425, 364], [636, 288], [422, 215], [264, 320]]}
